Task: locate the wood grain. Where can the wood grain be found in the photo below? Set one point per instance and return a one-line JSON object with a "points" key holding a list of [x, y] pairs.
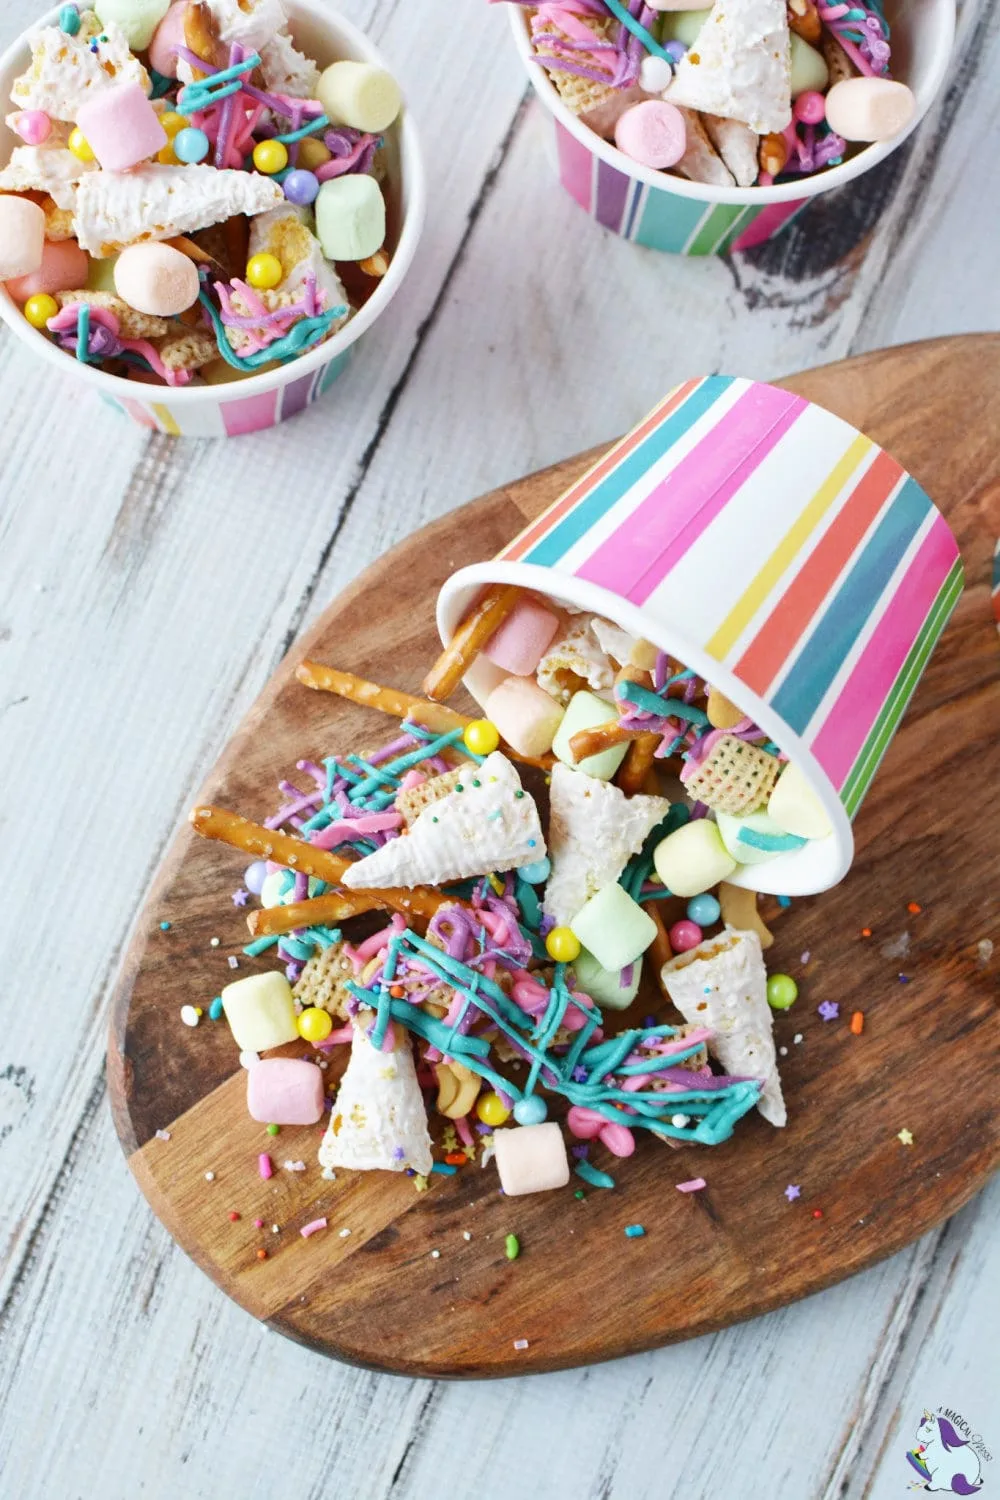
{"points": [[739, 1248]]}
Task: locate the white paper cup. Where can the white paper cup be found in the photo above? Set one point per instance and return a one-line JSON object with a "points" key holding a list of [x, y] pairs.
{"points": [[259, 401], [691, 218], [779, 553]]}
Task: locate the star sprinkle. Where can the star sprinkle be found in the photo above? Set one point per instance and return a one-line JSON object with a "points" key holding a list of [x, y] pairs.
{"points": [[829, 1010], [792, 1191], [905, 1137], [241, 897]]}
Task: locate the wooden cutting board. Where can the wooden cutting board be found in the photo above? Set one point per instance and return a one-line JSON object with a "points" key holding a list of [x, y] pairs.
{"points": [[419, 1283]]}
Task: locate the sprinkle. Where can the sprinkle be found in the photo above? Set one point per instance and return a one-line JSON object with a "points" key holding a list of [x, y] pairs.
{"points": [[805, 957], [190, 1015], [240, 897], [233, 1216], [209, 1176], [903, 978], [215, 1009], [344, 1233], [792, 1191], [858, 1022], [163, 1135], [512, 1247], [866, 932], [784, 902], [273, 1129], [593, 1176], [905, 1137], [466, 1235], [164, 926], [797, 1038], [233, 961], [294, 1166], [694, 1186], [520, 1344], [444, 1169], [829, 1010], [213, 942], [262, 1254], [634, 1231], [914, 907], [312, 1227], [435, 1255], [258, 1223], [265, 1166], [579, 1193], [456, 1158], [679, 1121], [275, 1228], [817, 1213], [984, 952]]}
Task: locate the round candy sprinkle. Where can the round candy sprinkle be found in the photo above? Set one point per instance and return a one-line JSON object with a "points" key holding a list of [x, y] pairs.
{"points": [[79, 145], [704, 910], [264, 271], [782, 991], [810, 107], [537, 872], [481, 737], [270, 157], [254, 877], [531, 1111], [40, 308], [314, 1024], [563, 945], [512, 1247], [273, 1129], [191, 145], [190, 1015], [33, 126], [684, 936], [491, 1109], [301, 188]]}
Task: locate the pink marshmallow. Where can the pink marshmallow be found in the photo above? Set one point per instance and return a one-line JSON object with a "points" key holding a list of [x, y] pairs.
{"points": [[122, 127], [169, 34], [22, 236], [522, 639], [652, 133], [64, 268], [285, 1091], [526, 716]]}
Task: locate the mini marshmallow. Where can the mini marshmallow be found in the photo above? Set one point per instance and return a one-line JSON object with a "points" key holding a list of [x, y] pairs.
{"points": [[531, 1158], [614, 928], [138, 19], [64, 268], [605, 986], [359, 95], [525, 715], [122, 127], [795, 807], [260, 1011], [753, 839], [652, 133], [877, 110], [156, 279], [586, 711], [22, 237], [285, 1091], [169, 34], [522, 639], [350, 217], [693, 858]]}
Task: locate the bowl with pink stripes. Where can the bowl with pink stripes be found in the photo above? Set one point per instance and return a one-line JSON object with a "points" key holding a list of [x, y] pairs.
{"points": [[254, 403], [769, 546], [669, 213]]}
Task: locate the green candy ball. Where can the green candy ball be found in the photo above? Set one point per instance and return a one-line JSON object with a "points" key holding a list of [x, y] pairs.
{"points": [[782, 991]]}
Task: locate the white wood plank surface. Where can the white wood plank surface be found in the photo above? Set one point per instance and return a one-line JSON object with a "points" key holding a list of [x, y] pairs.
{"points": [[148, 587]]}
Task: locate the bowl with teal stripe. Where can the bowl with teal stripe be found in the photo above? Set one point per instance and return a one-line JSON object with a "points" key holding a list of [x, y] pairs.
{"points": [[669, 213], [779, 553]]}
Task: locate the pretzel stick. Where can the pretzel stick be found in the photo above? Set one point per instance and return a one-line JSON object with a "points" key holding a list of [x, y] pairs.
{"points": [[637, 764], [601, 737], [319, 911], [479, 625], [659, 950]]}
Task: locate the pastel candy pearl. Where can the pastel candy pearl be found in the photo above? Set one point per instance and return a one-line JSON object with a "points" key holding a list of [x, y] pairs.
{"points": [[350, 217], [138, 19], [522, 638], [614, 928], [33, 126], [756, 838], [531, 1159], [795, 807], [260, 1011], [808, 67], [359, 95], [285, 1091], [693, 858], [526, 716], [652, 133], [64, 268], [585, 711], [604, 986], [22, 236], [655, 74], [122, 127], [157, 280], [169, 34], [877, 110]]}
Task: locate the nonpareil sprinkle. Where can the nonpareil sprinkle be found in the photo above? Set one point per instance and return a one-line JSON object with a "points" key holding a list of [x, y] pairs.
{"points": [[634, 1231], [512, 1247]]}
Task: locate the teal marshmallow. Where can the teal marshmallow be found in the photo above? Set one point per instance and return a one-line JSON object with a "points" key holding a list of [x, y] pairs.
{"points": [[138, 19], [756, 838], [586, 711], [604, 986], [614, 928], [808, 68], [350, 217]]}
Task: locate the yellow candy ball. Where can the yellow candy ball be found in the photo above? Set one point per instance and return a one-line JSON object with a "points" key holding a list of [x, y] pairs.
{"points": [[491, 1109], [264, 271], [481, 737], [79, 145], [39, 309], [312, 154], [314, 1024], [173, 123], [563, 945], [270, 157]]}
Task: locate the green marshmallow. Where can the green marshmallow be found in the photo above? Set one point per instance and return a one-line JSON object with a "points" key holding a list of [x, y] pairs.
{"points": [[350, 217], [138, 19], [586, 711], [101, 275], [604, 986], [683, 25], [614, 928], [808, 67]]}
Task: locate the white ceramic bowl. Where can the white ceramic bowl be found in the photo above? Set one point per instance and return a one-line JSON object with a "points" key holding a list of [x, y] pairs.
{"points": [[261, 401], [692, 218]]}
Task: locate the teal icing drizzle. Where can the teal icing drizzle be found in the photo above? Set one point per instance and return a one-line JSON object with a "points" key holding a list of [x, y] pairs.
{"points": [[593, 1175], [301, 336], [205, 92], [637, 29], [319, 123], [773, 843], [664, 708]]}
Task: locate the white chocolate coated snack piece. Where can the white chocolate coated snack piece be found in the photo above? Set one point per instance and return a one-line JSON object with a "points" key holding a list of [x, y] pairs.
{"points": [[701, 162], [65, 72], [737, 144], [531, 1158], [593, 830], [286, 70], [114, 209], [45, 169], [738, 65], [378, 1122], [869, 109], [22, 237], [284, 233], [577, 654]]}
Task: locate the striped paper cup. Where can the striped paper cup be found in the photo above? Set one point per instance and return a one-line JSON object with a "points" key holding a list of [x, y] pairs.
{"points": [[256, 402], [691, 218], [781, 554]]}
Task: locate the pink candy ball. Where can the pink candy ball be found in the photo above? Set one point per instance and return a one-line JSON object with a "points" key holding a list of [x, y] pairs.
{"points": [[684, 935], [652, 133], [33, 126], [169, 34], [64, 268], [810, 108]]}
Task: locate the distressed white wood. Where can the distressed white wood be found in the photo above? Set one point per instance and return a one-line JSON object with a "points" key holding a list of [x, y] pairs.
{"points": [[147, 589]]}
